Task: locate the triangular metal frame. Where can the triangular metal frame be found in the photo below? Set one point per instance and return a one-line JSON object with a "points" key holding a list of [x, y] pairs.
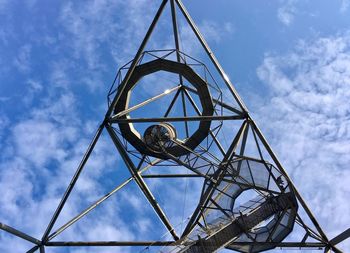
{"points": [[136, 170]]}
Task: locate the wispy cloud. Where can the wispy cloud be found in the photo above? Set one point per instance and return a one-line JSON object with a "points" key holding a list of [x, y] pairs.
{"points": [[286, 12], [213, 32], [308, 117], [95, 31], [22, 61], [3, 5], [47, 139], [46, 142], [42, 152], [344, 6]]}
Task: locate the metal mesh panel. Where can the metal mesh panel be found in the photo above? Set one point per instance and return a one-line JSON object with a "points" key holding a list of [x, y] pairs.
{"points": [[265, 217]]}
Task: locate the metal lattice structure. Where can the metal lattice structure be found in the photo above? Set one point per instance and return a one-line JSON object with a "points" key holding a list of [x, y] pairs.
{"points": [[247, 203]]}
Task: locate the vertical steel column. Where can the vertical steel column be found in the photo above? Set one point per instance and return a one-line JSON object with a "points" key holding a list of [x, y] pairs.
{"points": [[175, 29], [211, 56], [136, 58], [72, 183], [177, 46], [140, 182]]}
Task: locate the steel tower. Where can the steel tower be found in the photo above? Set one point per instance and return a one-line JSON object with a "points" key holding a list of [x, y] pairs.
{"points": [[197, 127]]}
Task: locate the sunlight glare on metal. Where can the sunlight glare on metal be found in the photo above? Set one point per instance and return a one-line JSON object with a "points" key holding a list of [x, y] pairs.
{"points": [[226, 77], [167, 91]]}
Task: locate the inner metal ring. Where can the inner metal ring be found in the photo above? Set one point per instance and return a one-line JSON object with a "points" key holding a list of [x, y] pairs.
{"points": [[159, 137], [135, 138]]}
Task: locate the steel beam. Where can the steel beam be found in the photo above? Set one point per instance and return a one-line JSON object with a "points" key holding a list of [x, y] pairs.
{"points": [[73, 181], [242, 149], [172, 104], [136, 175], [211, 55], [97, 203], [19, 234], [89, 209], [196, 154], [280, 167], [175, 30], [140, 182], [177, 46], [341, 237], [184, 112], [176, 35], [234, 226], [127, 111], [136, 58], [32, 250], [174, 119], [188, 166], [170, 175], [245, 185], [189, 97], [108, 243], [216, 101], [283, 244], [211, 188]]}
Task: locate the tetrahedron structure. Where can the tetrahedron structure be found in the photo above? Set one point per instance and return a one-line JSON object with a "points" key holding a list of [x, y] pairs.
{"points": [[172, 115]]}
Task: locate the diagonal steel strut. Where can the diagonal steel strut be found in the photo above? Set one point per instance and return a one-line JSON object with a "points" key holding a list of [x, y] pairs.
{"points": [[140, 182], [72, 183]]}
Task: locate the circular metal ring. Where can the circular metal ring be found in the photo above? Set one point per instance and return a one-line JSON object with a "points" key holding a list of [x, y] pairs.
{"points": [[159, 137], [135, 138]]}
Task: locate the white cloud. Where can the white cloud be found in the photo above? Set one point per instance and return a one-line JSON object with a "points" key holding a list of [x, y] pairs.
{"points": [[15, 181], [22, 61], [47, 142], [58, 74], [286, 13], [213, 32], [33, 90], [85, 21], [3, 5], [4, 99], [4, 121], [41, 154], [344, 6], [44, 137], [95, 31], [307, 119], [35, 85]]}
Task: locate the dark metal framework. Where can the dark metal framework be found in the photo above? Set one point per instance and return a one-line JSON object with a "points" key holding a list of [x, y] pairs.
{"points": [[227, 171]]}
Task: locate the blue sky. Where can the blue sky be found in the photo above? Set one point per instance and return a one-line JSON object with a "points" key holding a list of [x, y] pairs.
{"points": [[289, 60]]}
